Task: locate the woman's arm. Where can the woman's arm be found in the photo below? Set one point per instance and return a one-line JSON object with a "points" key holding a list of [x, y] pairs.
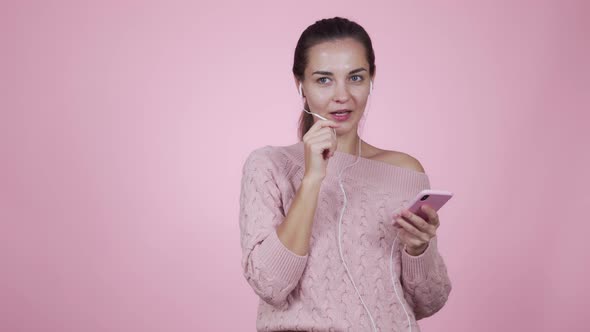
{"points": [[425, 280], [295, 231], [274, 245]]}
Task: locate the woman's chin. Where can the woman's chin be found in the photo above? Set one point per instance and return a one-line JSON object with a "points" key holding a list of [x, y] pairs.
{"points": [[345, 127]]}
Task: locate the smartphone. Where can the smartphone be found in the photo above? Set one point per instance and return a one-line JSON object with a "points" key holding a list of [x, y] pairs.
{"points": [[433, 198]]}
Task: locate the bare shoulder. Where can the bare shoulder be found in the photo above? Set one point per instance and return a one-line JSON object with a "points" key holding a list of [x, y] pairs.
{"points": [[396, 158]]}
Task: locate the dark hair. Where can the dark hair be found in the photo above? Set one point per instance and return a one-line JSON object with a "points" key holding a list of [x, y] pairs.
{"points": [[329, 29]]}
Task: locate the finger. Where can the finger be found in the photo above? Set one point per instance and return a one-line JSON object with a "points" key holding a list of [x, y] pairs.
{"points": [[329, 135], [402, 235], [432, 215], [318, 125], [323, 146], [321, 134], [412, 230], [419, 223], [324, 139], [326, 123], [409, 240]]}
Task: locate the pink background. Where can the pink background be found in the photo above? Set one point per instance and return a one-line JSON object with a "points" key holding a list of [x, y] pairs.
{"points": [[124, 128]]}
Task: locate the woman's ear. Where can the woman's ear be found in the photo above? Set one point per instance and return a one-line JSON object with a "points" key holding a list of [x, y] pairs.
{"points": [[297, 85]]}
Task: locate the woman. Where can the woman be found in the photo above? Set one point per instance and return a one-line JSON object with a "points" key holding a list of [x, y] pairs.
{"points": [[314, 268]]}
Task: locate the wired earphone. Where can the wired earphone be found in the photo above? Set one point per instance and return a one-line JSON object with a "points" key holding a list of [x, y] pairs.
{"points": [[392, 273]]}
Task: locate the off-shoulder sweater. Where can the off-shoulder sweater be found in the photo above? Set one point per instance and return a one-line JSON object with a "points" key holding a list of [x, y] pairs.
{"points": [[314, 292]]}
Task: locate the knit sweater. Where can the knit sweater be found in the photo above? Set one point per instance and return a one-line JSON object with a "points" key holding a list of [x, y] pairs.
{"points": [[314, 292]]}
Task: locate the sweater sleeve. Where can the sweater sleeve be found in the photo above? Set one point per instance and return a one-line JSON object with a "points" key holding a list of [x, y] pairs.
{"points": [[271, 269], [425, 280]]}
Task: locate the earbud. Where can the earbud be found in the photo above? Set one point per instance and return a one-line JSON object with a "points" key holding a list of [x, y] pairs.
{"points": [[300, 93]]}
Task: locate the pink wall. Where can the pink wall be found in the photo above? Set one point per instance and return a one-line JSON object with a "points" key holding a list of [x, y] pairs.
{"points": [[124, 127]]}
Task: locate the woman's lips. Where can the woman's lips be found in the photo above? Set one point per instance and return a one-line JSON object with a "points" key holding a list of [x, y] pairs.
{"points": [[340, 116]]}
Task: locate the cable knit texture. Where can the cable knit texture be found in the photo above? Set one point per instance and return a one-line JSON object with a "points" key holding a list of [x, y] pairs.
{"points": [[313, 292]]}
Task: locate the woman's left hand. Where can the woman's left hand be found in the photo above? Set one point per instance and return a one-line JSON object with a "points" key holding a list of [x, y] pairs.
{"points": [[414, 231]]}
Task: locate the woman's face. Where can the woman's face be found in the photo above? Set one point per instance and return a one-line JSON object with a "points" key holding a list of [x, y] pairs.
{"points": [[337, 78]]}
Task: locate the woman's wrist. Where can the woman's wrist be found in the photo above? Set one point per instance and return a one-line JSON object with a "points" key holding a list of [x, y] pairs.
{"points": [[312, 180], [416, 251]]}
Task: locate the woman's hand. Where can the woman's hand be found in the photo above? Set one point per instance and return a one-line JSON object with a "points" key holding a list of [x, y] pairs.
{"points": [[414, 231], [319, 143]]}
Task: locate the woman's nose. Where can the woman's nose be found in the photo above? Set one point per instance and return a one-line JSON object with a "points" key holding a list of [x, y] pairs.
{"points": [[341, 93]]}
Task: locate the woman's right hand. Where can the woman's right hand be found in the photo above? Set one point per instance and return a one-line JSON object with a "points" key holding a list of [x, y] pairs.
{"points": [[319, 143]]}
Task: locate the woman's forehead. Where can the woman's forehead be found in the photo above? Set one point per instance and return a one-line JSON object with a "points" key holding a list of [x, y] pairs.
{"points": [[336, 56]]}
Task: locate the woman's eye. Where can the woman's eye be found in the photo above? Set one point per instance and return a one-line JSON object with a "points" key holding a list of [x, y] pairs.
{"points": [[359, 76], [321, 79]]}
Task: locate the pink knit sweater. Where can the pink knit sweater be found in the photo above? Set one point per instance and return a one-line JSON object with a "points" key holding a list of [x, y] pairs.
{"points": [[314, 292]]}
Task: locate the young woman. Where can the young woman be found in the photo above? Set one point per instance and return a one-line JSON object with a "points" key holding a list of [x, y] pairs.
{"points": [[319, 225]]}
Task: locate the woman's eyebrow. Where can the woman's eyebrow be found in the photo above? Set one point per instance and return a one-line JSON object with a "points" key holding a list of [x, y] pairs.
{"points": [[330, 74]]}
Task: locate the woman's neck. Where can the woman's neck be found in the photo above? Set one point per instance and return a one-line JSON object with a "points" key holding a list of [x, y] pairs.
{"points": [[349, 144]]}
